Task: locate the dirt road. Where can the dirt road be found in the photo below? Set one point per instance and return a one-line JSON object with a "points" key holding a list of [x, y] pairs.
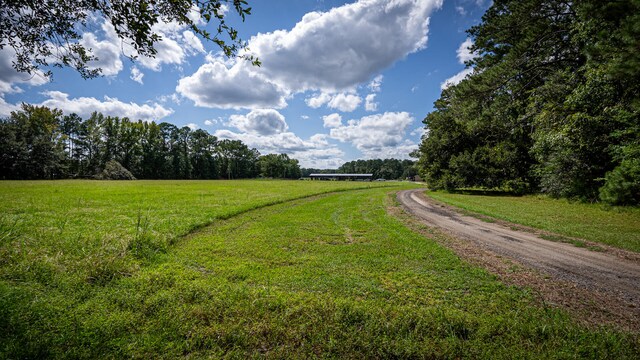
{"points": [[592, 270]]}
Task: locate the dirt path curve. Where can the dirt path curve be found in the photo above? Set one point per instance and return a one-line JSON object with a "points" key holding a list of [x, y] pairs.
{"points": [[588, 269]]}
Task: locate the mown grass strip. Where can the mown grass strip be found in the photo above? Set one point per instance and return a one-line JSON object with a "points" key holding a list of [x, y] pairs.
{"points": [[618, 227]]}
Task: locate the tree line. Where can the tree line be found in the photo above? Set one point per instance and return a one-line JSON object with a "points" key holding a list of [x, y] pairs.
{"points": [[41, 143], [388, 169], [552, 105]]}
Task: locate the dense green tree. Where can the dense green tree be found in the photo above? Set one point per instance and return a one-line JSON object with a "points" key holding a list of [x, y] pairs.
{"points": [[10, 149], [279, 166], [409, 170], [70, 129], [388, 169], [167, 132], [153, 152], [91, 144], [202, 150], [552, 103], [180, 138], [236, 160], [34, 147], [611, 33], [130, 145]]}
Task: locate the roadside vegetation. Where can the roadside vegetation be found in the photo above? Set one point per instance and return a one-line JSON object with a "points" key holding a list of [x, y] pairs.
{"points": [[332, 275], [552, 104], [617, 226]]}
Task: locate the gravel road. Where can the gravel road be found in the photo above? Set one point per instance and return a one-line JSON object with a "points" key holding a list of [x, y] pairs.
{"points": [[589, 269]]}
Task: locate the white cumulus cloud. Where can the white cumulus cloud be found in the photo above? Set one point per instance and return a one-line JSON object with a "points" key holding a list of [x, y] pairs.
{"points": [[324, 158], [343, 47], [6, 108], [345, 102], [175, 98], [318, 100], [216, 86], [376, 136], [84, 106], [400, 151], [332, 120], [175, 46], [192, 42], [259, 122], [464, 54], [169, 51], [329, 52], [108, 50], [370, 104], [136, 75], [267, 131]]}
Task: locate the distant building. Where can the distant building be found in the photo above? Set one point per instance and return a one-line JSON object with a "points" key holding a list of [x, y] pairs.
{"points": [[365, 177]]}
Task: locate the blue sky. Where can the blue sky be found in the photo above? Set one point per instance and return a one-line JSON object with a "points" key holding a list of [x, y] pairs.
{"points": [[339, 81]]}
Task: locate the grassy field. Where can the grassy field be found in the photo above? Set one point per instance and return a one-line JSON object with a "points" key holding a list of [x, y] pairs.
{"points": [[55, 232], [329, 276], [619, 227]]}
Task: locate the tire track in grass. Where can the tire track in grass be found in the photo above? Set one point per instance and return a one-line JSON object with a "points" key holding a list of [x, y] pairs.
{"points": [[227, 216]]}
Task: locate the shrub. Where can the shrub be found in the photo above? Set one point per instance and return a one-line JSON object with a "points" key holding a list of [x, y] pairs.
{"points": [[113, 170], [622, 185]]}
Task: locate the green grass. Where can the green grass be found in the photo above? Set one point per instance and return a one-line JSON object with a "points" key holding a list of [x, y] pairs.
{"points": [[619, 227], [62, 231], [330, 276]]}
